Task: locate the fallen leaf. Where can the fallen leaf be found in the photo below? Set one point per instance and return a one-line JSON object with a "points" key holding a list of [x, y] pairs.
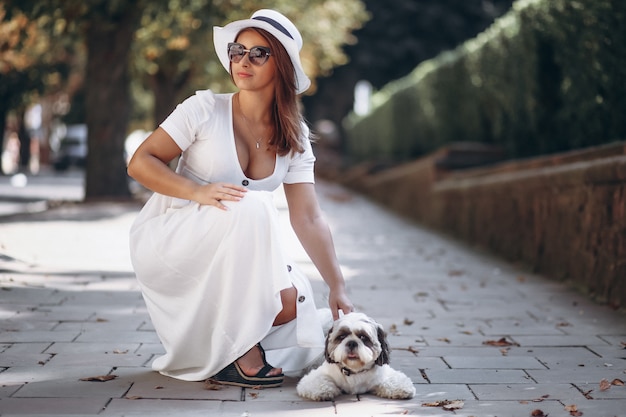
{"points": [[101, 378], [408, 322], [99, 320], [500, 342], [444, 339], [212, 385], [537, 413], [542, 398], [605, 385], [254, 394], [618, 382], [120, 352], [505, 351], [573, 410], [623, 344], [158, 387], [467, 332], [563, 324], [454, 405], [446, 404]]}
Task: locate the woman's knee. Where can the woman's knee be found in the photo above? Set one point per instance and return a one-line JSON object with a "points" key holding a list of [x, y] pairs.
{"points": [[288, 298]]}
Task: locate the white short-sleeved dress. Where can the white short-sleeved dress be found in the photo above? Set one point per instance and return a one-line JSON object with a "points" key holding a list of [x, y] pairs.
{"points": [[211, 279]]}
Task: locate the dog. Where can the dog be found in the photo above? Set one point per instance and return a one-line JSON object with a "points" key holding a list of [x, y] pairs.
{"points": [[356, 362]]}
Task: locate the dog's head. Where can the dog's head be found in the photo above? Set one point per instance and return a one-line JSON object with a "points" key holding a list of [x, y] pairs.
{"points": [[357, 343]]}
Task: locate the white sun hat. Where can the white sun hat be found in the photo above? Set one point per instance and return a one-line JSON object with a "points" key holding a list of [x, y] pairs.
{"points": [[276, 24]]}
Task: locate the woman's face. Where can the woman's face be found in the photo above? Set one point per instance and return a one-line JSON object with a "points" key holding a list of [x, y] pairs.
{"points": [[253, 77]]}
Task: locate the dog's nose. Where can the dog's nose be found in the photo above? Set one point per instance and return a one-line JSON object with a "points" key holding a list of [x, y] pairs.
{"points": [[351, 345]]}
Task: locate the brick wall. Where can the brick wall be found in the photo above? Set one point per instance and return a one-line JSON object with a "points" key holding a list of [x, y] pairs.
{"points": [[562, 216]]}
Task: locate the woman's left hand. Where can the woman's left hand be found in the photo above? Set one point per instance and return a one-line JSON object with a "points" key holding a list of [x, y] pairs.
{"points": [[338, 300]]}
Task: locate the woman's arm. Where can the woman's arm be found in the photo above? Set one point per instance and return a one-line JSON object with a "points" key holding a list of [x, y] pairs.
{"points": [[312, 230], [149, 167]]}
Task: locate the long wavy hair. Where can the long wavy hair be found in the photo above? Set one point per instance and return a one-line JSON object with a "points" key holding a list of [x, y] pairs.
{"points": [[288, 132]]}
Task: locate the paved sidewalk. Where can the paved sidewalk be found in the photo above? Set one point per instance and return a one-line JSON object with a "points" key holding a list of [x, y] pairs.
{"points": [[463, 325]]}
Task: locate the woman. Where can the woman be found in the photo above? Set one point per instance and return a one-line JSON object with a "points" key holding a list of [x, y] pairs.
{"points": [[206, 247]]}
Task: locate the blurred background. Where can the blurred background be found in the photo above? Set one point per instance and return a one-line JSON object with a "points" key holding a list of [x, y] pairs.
{"points": [[120, 67]]}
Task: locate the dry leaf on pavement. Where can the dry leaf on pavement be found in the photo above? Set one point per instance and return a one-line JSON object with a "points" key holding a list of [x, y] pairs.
{"points": [[501, 342], [605, 385], [617, 381], [573, 410], [101, 378], [538, 413], [446, 404]]}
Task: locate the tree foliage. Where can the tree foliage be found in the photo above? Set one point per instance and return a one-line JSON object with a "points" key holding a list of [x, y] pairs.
{"points": [[399, 35], [171, 55]]}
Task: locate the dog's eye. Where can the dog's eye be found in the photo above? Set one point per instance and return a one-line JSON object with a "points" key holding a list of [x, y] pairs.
{"points": [[341, 336], [364, 338]]}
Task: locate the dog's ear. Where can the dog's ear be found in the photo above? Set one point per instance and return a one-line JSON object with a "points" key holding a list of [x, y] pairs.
{"points": [[383, 358], [326, 345]]}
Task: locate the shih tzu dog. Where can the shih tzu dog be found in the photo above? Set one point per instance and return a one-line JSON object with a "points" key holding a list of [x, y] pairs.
{"points": [[357, 362]]}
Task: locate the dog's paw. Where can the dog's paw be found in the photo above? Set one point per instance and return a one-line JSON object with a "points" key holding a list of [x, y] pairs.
{"points": [[317, 389], [396, 386]]}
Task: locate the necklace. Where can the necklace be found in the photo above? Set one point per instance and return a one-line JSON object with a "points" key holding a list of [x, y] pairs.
{"points": [[258, 139]]}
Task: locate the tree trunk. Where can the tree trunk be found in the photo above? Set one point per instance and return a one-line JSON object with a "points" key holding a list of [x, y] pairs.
{"points": [[108, 103], [166, 86]]}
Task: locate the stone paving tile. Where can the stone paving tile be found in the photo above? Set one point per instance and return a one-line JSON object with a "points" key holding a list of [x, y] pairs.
{"points": [[110, 347], [19, 375], [278, 409], [560, 340], [22, 359], [148, 384], [476, 376], [74, 388], [482, 362], [38, 336], [127, 336], [165, 408], [528, 392], [19, 325], [26, 348], [109, 359], [575, 375], [593, 391], [425, 393], [51, 406]]}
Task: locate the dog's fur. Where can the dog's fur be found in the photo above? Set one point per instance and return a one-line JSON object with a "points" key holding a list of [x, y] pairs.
{"points": [[357, 362]]}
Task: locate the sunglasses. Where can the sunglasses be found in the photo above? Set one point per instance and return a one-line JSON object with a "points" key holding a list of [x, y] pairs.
{"points": [[258, 55]]}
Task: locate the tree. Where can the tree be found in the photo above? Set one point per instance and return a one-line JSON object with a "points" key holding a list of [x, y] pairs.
{"points": [[174, 51], [29, 63]]}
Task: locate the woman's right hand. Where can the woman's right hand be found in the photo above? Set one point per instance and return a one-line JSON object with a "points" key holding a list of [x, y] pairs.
{"points": [[214, 193]]}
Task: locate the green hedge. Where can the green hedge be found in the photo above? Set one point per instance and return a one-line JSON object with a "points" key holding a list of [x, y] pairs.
{"points": [[548, 76]]}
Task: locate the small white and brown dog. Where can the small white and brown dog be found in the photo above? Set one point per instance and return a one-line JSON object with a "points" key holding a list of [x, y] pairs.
{"points": [[357, 362]]}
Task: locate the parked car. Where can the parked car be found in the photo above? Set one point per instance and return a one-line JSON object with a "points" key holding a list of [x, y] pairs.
{"points": [[72, 149]]}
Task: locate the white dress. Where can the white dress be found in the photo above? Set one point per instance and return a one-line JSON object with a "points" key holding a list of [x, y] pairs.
{"points": [[211, 279]]}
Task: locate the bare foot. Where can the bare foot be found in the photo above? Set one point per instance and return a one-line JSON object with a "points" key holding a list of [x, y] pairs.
{"points": [[252, 362]]}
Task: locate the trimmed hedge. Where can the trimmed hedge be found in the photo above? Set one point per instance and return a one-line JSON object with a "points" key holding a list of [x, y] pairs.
{"points": [[549, 76]]}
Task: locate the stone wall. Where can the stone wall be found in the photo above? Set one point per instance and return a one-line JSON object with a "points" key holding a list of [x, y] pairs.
{"points": [[562, 216]]}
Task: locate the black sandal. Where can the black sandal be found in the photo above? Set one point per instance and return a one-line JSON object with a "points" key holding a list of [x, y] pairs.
{"points": [[233, 375]]}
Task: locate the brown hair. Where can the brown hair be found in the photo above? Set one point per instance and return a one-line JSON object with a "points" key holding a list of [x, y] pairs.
{"points": [[288, 120]]}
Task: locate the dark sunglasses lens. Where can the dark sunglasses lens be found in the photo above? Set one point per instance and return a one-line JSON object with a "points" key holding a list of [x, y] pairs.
{"points": [[258, 56], [235, 52]]}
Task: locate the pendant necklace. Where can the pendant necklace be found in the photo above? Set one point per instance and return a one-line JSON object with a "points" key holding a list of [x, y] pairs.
{"points": [[259, 139]]}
